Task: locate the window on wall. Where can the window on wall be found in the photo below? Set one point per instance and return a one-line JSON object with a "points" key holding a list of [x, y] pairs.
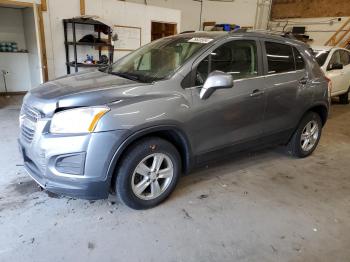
{"points": [[238, 58], [160, 30], [280, 58]]}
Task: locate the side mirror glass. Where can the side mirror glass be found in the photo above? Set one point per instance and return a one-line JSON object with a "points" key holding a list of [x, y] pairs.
{"points": [[215, 80], [335, 66]]}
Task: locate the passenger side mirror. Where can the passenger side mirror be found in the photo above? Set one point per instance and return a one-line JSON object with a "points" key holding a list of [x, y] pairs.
{"points": [[215, 80], [335, 66]]}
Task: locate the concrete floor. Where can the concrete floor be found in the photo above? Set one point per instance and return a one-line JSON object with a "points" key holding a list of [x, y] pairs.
{"points": [[263, 206]]}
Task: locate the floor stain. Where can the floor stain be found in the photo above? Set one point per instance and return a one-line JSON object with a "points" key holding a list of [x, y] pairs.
{"points": [[186, 214], [24, 187]]}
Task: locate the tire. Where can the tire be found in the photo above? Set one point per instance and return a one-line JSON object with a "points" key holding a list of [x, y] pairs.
{"points": [[344, 98], [135, 173], [300, 147]]}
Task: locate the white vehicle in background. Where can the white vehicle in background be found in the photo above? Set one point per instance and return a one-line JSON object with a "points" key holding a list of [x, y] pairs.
{"points": [[335, 63]]}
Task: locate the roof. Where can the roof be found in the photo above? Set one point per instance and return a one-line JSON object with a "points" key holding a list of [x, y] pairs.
{"points": [[321, 48], [222, 34]]}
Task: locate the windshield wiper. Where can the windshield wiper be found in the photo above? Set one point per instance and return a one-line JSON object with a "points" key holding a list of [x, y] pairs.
{"points": [[127, 76]]}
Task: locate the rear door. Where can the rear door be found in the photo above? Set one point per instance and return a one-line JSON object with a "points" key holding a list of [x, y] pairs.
{"points": [[286, 84]]}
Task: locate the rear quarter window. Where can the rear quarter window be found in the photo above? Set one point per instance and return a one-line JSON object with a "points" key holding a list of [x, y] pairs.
{"points": [[299, 60]]}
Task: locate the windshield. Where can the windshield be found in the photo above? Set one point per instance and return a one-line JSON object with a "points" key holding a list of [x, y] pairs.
{"points": [[159, 59], [321, 56]]}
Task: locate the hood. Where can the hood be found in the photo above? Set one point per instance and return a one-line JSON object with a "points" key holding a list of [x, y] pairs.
{"points": [[82, 89]]}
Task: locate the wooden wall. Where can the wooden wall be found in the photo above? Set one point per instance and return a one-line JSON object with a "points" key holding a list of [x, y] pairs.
{"points": [[309, 8]]}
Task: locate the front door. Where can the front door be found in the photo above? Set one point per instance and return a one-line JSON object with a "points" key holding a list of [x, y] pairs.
{"points": [[339, 82], [234, 115]]}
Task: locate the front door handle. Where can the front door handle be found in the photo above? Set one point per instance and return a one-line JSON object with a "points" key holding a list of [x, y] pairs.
{"points": [[257, 92]]}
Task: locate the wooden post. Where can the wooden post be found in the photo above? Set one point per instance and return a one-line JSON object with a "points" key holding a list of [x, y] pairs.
{"points": [[333, 40], [42, 44], [82, 7], [43, 5]]}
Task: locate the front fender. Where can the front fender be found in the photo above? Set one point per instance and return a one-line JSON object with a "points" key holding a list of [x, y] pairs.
{"points": [[187, 156]]}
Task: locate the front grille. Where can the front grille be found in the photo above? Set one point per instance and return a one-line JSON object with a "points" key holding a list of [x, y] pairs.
{"points": [[27, 134], [30, 113], [29, 118]]}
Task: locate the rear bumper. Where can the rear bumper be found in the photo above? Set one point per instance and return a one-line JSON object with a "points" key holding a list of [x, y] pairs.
{"points": [[41, 157]]}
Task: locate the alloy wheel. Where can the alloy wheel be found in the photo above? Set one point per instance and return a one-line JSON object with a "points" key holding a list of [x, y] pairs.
{"points": [[309, 136], [152, 176]]}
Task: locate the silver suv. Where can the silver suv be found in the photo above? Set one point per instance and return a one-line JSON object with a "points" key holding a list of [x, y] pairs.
{"points": [[167, 107]]}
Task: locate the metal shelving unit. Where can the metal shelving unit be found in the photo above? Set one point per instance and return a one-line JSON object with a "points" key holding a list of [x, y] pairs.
{"points": [[98, 27]]}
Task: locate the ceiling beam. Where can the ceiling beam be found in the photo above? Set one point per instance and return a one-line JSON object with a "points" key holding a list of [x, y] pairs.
{"points": [[15, 3]]}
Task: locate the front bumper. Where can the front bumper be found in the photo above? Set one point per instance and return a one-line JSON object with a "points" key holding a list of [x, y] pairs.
{"points": [[96, 150]]}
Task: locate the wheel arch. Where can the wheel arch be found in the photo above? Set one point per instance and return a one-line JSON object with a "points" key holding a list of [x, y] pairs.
{"points": [[321, 110], [172, 134]]}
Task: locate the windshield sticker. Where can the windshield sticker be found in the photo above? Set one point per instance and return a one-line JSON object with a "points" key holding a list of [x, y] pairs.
{"points": [[201, 40]]}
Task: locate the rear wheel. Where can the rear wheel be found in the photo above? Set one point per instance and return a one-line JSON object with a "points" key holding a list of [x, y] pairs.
{"points": [[148, 173], [305, 139], [344, 98]]}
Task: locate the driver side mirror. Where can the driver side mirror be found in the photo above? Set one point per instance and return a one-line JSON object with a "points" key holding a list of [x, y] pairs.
{"points": [[335, 66], [215, 80]]}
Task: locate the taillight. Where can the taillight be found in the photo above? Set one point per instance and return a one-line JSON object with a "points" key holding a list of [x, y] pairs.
{"points": [[330, 86]]}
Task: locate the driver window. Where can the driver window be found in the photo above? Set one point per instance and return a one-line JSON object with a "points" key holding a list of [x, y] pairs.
{"points": [[238, 58], [335, 59], [344, 57]]}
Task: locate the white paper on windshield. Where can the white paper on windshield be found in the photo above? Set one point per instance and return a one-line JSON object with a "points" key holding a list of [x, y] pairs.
{"points": [[201, 40]]}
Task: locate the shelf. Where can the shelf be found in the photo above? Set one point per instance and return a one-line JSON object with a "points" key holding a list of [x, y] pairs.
{"points": [[72, 64], [13, 52], [99, 44], [89, 44], [83, 21]]}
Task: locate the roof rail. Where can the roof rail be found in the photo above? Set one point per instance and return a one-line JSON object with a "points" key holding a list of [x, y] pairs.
{"points": [[264, 31]]}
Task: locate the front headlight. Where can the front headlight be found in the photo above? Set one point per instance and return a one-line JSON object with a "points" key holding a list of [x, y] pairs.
{"points": [[78, 120]]}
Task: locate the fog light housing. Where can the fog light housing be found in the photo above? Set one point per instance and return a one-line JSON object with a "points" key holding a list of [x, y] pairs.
{"points": [[71, 164]]}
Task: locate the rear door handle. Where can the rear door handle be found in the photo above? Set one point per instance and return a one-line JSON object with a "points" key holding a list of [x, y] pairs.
{"points": [[257, 92]]}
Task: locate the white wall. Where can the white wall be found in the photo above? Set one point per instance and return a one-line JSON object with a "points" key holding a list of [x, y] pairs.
{"points": [[131, 14], [18, 77], [117, 12], [319, 29], [54, 38], [11, 26], [241, 12], [32, 47]]}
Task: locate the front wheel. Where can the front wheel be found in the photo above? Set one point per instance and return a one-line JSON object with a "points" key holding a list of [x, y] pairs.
{"points": [[305, 139], [148, 173]]}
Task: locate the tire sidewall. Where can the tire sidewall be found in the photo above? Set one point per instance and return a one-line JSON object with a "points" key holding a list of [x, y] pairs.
{"points": [[309, 117], [133, 157]]}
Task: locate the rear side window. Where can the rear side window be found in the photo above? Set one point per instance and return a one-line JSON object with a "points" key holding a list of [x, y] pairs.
{"points": [[299, 60], [344, 57], [335, 59], [280, 58]]}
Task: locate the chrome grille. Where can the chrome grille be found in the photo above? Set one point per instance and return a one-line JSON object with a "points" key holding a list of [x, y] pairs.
{"points": [[29, 117], [27, 134], [31, 113]]}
